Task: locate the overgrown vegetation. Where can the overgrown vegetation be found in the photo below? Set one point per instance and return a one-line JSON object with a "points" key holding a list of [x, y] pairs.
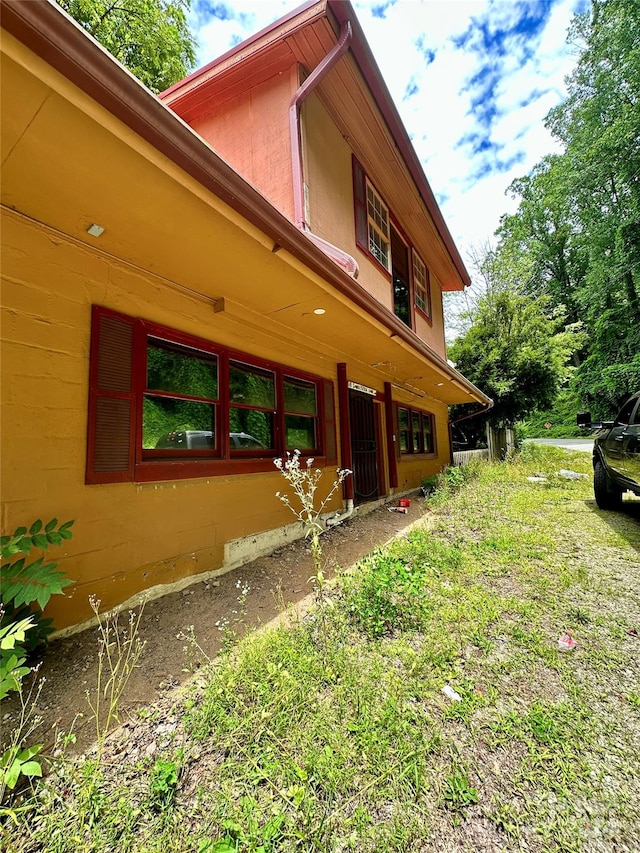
{"points": [[26, 587], [556, 422], [424, 699], [516, 350]]}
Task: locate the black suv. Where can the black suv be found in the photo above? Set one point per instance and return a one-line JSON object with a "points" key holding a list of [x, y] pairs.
{"points": [[616, 454]]}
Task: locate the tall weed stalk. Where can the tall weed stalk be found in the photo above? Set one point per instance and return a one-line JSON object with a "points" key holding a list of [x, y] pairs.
{"points": [[119, 652], [304, 482]]}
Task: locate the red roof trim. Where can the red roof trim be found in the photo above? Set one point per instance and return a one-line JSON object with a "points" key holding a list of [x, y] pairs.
{"points": [[202, 72]]}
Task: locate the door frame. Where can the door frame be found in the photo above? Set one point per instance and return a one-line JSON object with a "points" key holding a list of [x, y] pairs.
{"points": [[369, 398]]}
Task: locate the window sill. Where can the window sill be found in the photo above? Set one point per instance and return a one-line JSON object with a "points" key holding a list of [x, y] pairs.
{"points": [[407, 457], [180, 469]]}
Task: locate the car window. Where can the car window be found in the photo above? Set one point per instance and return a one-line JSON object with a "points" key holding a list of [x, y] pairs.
{"points": [[625, 413], [636, 418]]}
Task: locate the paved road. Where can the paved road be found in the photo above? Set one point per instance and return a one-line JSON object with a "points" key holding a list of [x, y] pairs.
{"points": [[585, 444]]}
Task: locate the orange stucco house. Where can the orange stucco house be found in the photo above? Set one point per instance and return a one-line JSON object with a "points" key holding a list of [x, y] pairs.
{"points": [[194, 284]]}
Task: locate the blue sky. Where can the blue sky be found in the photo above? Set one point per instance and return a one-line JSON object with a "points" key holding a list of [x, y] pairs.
{"points": [[472, 80]]}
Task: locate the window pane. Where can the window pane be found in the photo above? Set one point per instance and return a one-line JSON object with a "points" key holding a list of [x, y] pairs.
{"points": [[301, 432], [177, 424], [403, 419], [250, 386], [426, 433], [417, 432], [377, 211], [401, 300], [379, 248], [182, 373], [300, 396], [250, 430], [625, 415]]}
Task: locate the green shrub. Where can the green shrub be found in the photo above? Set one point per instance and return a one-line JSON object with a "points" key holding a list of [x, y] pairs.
{"points": [[26, 585], [164, 782], [385, 595]]}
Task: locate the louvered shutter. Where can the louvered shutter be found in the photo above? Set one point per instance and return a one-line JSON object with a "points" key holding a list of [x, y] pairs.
{"points": [[360, 202], [111, 430], [330, 442]]}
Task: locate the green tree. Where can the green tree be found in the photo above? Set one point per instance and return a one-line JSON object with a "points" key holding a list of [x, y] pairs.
{"points": [[150, 37], [543, 233], [516, 352], [578, 221]]}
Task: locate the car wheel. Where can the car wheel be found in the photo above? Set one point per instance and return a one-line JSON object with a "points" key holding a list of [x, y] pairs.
{"points": [[608, 495]]}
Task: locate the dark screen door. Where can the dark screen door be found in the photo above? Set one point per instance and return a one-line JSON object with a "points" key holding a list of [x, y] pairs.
{"points": [[363, 447]]}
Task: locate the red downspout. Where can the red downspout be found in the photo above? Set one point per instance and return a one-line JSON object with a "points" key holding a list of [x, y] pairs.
{"points": [[344, 260], [346, 456]]}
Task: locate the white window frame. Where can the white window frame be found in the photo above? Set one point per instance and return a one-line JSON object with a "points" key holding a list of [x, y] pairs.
{"points": [[421, 283], [378, 226]]}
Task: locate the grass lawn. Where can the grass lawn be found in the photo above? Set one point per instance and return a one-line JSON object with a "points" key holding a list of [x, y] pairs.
{"points": [[331, 731]]}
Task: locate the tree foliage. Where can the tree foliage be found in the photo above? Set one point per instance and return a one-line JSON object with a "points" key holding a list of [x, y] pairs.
{"points": [[578, 220], [516, 352], [150, 37]]}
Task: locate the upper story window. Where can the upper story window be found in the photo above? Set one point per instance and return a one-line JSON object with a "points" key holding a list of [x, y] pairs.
{"points": [[421, 285], [380, 235], [378, 226], [164, 405], [372, 219]]}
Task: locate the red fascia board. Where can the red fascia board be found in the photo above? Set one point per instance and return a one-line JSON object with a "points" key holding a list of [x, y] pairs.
{"points": [[276, 25], [44, 28]]}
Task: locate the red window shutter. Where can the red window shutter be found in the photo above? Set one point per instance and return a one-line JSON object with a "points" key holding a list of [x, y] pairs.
{"points": [[111, 429], [360, 202], [330, 441]]}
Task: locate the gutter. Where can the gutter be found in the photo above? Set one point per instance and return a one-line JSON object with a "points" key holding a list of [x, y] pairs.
{"points": [[485, 408], [44, 28], [344, 260]]}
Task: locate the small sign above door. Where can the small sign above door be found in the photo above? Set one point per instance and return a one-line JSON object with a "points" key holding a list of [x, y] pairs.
{"points": [[355, 386]]}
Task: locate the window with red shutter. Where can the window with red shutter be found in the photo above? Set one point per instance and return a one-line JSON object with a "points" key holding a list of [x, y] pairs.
{"points": [[165, 405]]}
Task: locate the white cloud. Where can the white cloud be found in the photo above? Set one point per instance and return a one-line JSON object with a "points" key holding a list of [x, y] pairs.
{"points": [[476, 117]]}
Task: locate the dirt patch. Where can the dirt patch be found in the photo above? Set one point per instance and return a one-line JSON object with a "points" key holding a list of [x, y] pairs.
{"points": [[213, 607]]}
